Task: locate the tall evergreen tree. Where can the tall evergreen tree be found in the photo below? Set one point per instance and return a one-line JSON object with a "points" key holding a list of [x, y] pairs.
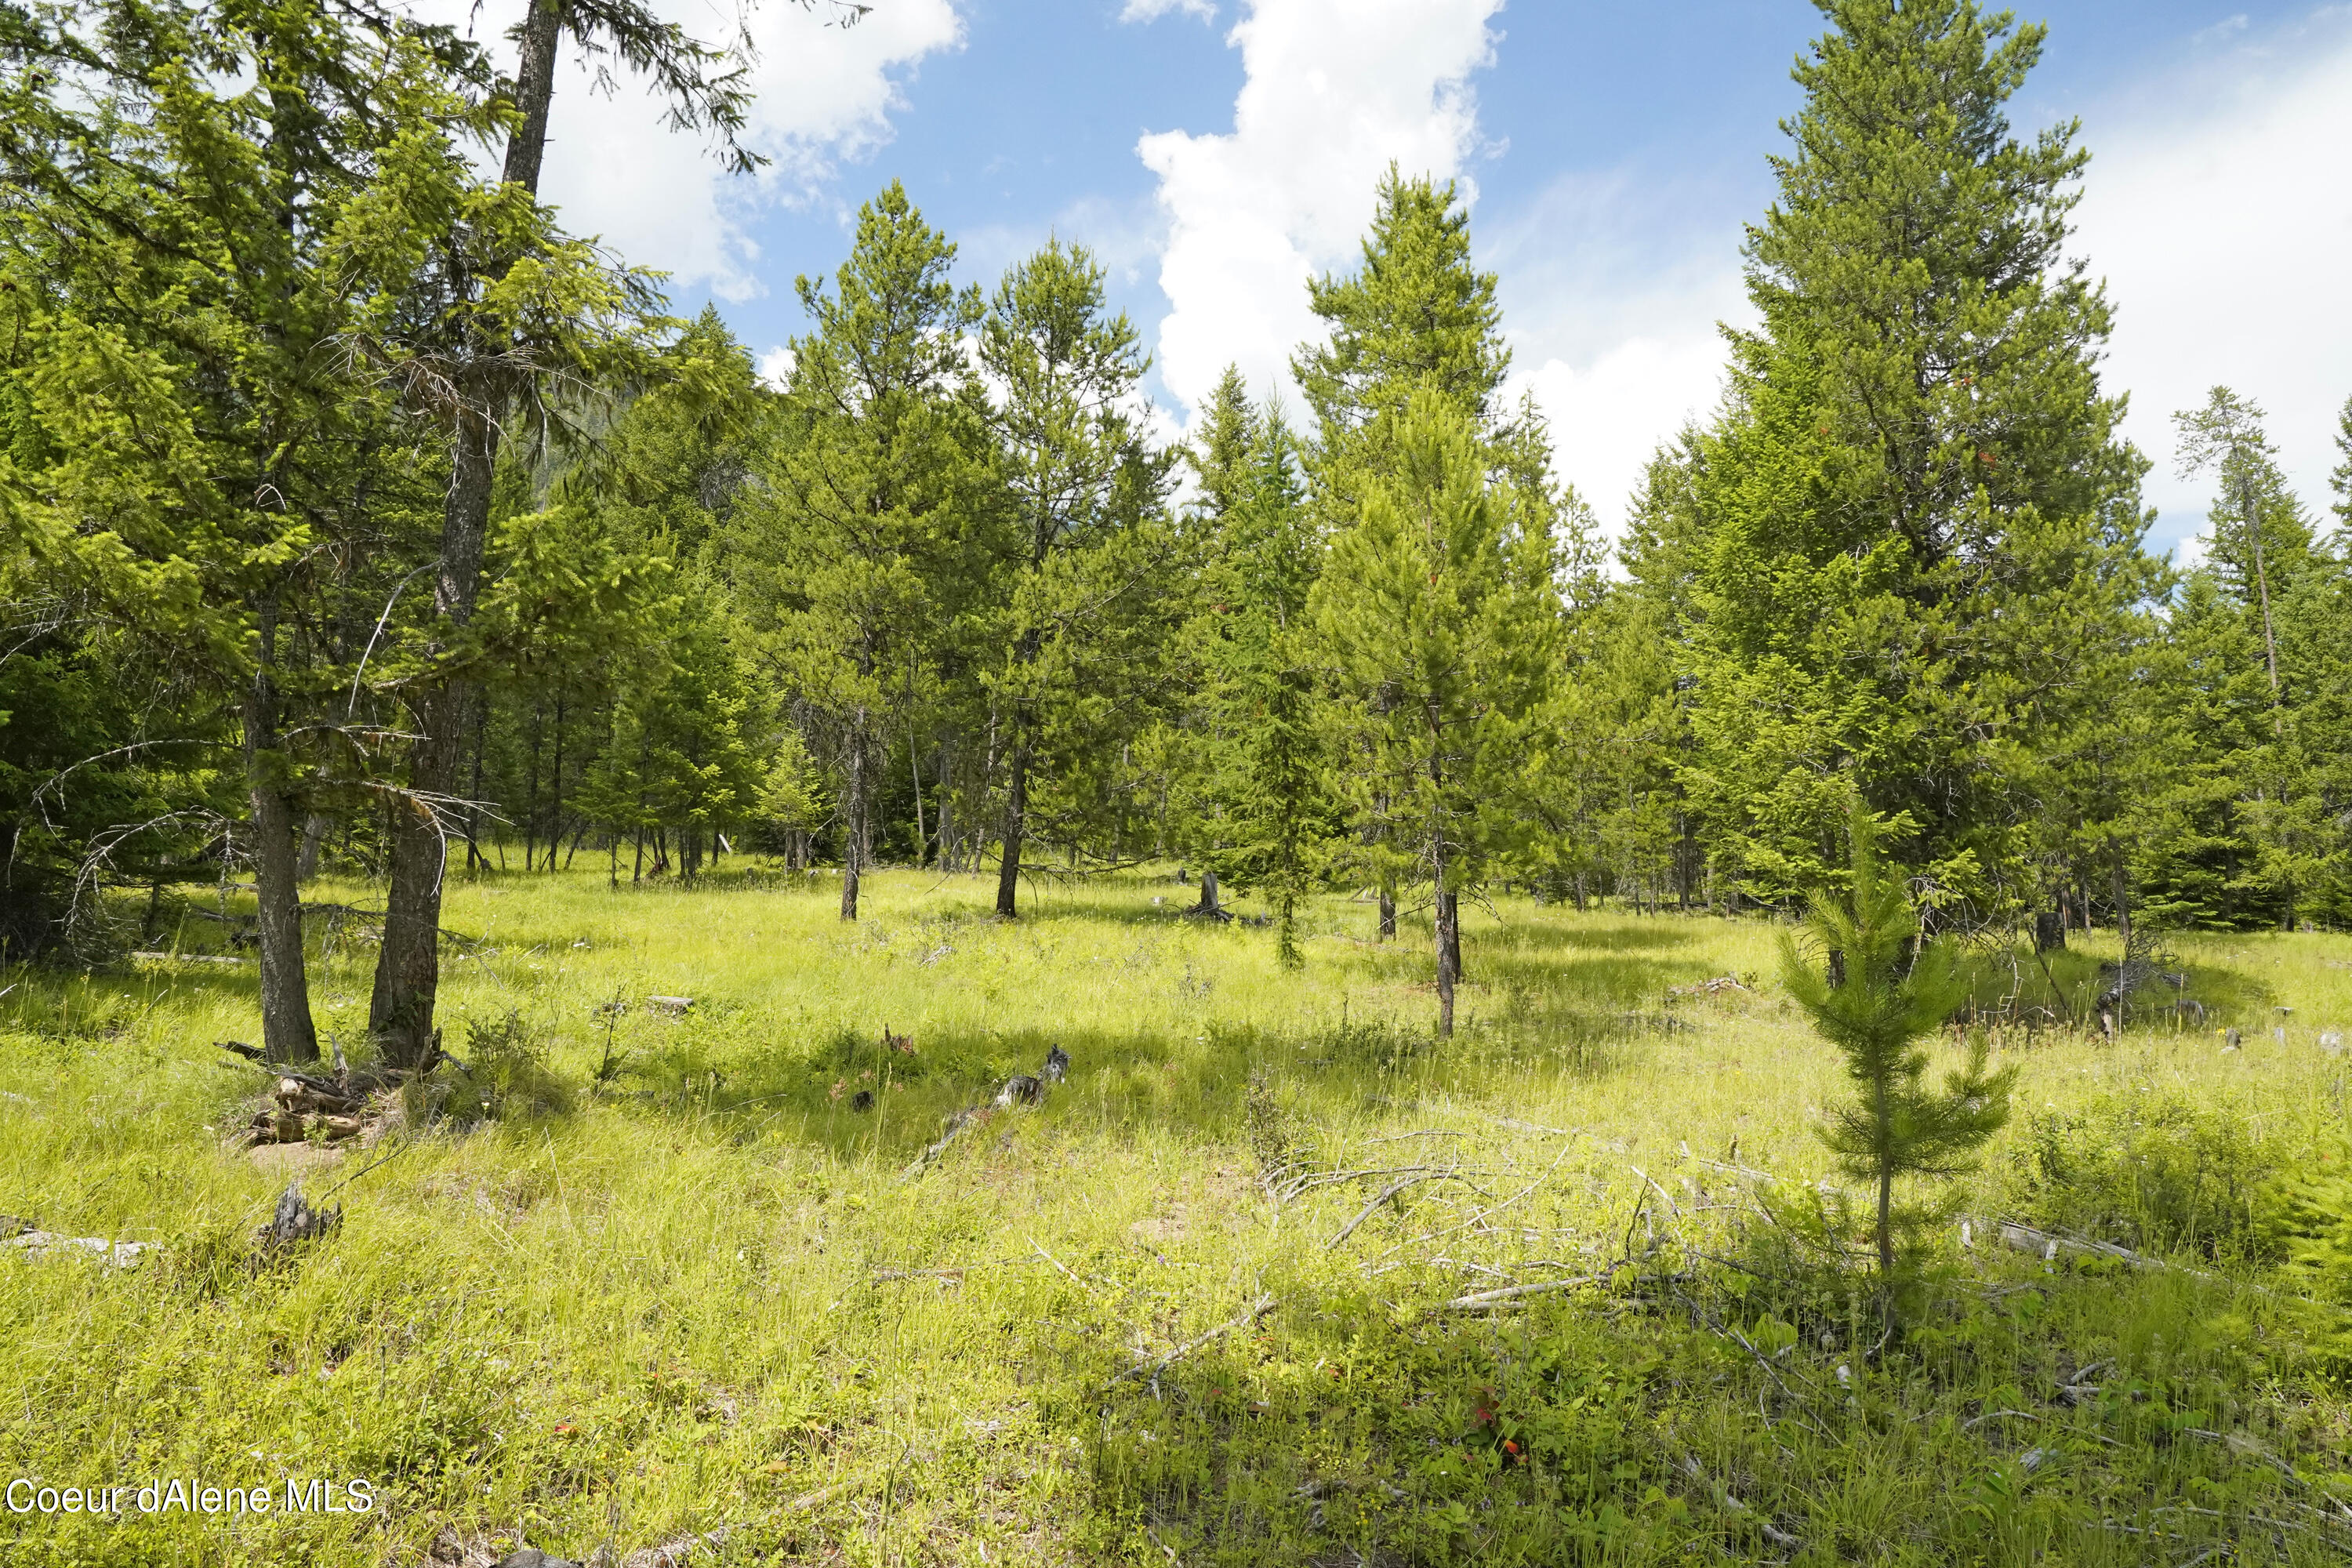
{"points": [[198, 235], [2268, 564], [1244, 758], [1435, 613], [1915, 470], [1080, 632], [863, 534], [507, 313], [1414, 319]]}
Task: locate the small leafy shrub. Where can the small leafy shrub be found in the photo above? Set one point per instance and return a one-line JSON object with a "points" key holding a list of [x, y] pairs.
{"points": [[506, 1072], [2151, 1171]]}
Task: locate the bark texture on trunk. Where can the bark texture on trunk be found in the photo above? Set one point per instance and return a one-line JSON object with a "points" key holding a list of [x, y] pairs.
{"points": [[1016, 822], [542, 32], [856, 839], [286, 1033], [1388, 912], [1452, 915], [408, 970], [1449, 957], [314, 834], [1209, 904]]}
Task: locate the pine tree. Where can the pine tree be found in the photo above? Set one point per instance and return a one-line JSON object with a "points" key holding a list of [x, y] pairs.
{"points": [[1244, 762], [1916, 469], [1874, 991], [1079, 636], [510, 311], [875, 469], [197, 247], [2267, 562], [1435, 617], [1415, 319]]}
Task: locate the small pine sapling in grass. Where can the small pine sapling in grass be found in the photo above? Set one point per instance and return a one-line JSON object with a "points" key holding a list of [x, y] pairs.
{"points": [[1884, 992]]}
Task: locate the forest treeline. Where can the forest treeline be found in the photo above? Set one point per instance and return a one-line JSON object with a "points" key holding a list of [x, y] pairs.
{"points": [[357, 515]]}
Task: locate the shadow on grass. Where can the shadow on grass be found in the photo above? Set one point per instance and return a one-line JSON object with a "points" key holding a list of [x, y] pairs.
{"points": [[859, 1096]]}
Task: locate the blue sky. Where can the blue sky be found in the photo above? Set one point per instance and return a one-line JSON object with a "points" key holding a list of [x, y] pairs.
{"points": [[1212, 153]]}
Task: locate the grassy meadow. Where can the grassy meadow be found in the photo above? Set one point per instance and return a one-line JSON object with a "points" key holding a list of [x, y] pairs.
{"points": [[1247, 1288]]}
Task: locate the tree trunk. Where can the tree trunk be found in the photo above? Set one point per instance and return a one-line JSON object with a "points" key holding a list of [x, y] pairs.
{"points": [[2050, 931], [314, 833], [530, 788], [2123, 904], [914, 767], [1449, 950], [1208, 904], [555, 789], [542, 34], [1388, 910], [1016, 821], [857, 835], [287, 1034], [1885, 1224], [408, 970], [473, 854]]}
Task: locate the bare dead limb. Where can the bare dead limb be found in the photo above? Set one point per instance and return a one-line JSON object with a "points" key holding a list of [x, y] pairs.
{"points": [[1258, 1308]]}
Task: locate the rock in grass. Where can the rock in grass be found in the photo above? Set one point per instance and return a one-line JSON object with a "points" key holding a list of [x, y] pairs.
{"points": [[49, 1243], [532, 1557]]}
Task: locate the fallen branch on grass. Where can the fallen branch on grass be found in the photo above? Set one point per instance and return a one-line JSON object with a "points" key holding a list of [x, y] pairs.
{"points": [[1392, 1190], [970, 1116], [1258, 1308], [1517, 1292]]}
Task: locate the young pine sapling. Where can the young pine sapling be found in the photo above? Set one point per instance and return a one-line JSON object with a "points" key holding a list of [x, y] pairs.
{"points": [[1877, 1005]]}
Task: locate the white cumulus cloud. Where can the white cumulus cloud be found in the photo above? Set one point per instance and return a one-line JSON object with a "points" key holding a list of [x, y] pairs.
{"points": [[1334, 90], [823, 94], [1612, 295], [2219, 209], [1152, 10]]}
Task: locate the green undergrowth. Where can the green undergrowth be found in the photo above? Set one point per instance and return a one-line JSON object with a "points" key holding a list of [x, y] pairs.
{"points": [[635, 1276]]}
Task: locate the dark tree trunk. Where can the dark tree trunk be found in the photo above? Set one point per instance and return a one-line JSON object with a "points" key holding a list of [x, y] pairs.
{"points": [[542, 33], [1016, 821], [555, 790], [286, 1033], [473, 854], [2050, 931], [1449, 955], [1208, 904], [314, 834], [530, 788], [1388, 912], [408, 970], [856, 829]]}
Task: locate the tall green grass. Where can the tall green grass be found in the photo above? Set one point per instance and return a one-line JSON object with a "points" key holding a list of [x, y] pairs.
{"points": [[679, 1282]]}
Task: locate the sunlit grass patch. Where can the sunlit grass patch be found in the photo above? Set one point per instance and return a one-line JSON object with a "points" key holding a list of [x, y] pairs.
{"points": [[687, 1283]]}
